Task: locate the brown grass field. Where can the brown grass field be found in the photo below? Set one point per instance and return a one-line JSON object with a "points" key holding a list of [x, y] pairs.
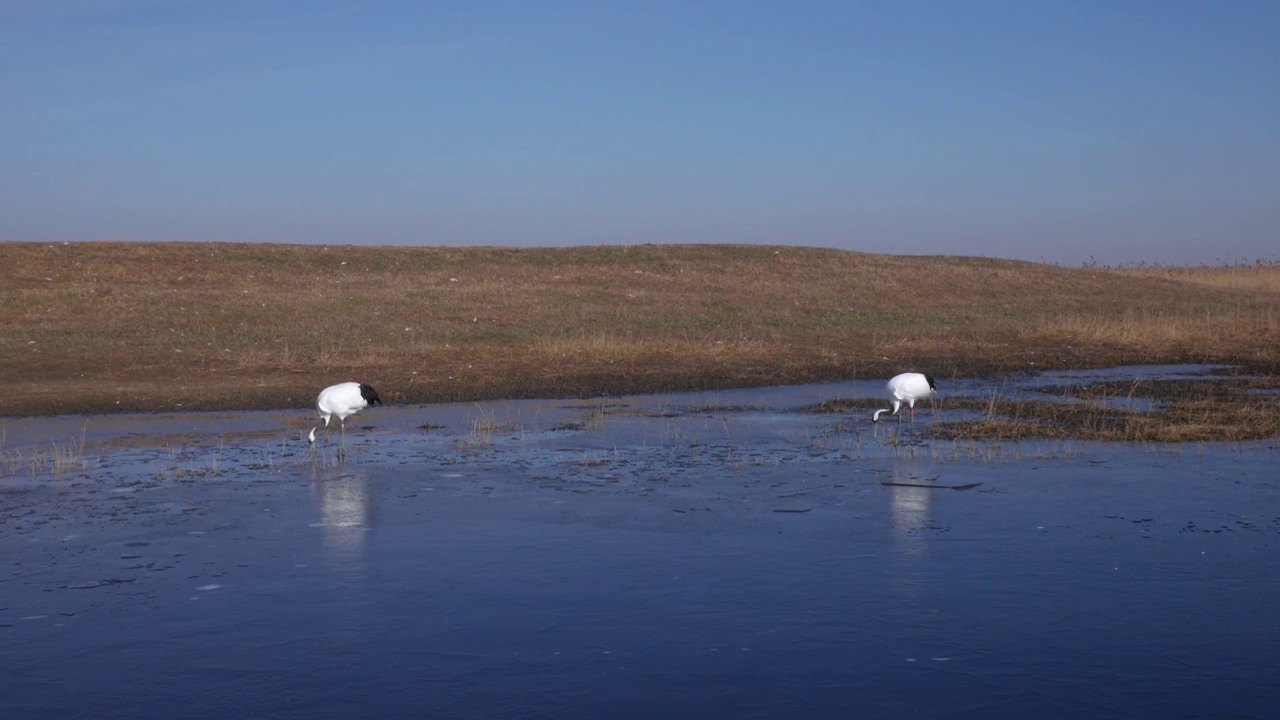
{"points": [[93, 327]]}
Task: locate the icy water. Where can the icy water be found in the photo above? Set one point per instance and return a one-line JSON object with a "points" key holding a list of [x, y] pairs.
{"points": [[711, 555]]}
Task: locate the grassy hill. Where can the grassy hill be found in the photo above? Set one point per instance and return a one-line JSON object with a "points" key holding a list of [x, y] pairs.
{"points": [[111, 327]]}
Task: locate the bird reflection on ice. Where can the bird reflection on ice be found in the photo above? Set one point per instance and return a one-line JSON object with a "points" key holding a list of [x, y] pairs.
{"points": [[910, 516], [346, 512], [910, 510]]}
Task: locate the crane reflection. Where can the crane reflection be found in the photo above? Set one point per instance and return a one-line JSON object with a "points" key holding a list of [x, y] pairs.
{"points": [[347, 513]]}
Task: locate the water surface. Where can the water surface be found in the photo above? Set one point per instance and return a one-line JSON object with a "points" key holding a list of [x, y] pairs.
{"points": [[724, 554]]}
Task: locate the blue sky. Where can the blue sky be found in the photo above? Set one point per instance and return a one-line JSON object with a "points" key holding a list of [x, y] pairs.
{"points": [[1120, 130]]}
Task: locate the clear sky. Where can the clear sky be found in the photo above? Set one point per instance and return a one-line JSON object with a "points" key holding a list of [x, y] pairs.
{"points": [[1122, 130]]}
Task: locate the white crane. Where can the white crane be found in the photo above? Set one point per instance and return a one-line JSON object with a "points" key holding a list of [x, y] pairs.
{"points": [[343, 400], [906, 388]]}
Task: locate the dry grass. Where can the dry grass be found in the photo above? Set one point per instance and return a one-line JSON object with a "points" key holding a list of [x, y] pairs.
{"points": [[101, 327], [1258, 276]]}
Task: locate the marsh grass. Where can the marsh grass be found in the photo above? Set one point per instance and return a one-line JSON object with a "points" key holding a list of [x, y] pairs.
{"points": [[1174, 419], [484, 426], [69, 457], [593, 419], [191, 470], [61, 459], [113, 327], [593, 459], [1225, 389]]}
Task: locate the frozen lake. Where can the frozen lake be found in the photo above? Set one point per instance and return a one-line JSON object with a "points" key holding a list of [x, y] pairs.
{"points": [[724, 554]]}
